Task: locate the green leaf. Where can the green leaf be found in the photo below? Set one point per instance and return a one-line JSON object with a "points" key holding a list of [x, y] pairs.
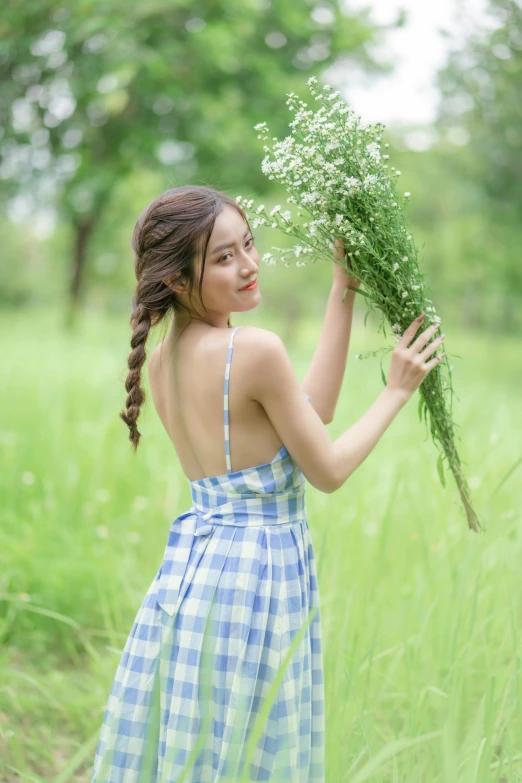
{"points": [[419, 409], [440, 471], [358, 291], [383, 377]]}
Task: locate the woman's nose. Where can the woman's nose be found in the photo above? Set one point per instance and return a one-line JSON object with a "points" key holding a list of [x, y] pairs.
{"points": [[250, 263]]}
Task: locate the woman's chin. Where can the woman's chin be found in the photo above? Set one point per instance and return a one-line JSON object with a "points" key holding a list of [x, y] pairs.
{"points": [[250, 304], [247, 309]]}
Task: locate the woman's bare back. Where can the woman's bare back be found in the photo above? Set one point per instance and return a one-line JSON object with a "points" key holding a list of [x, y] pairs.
{"points": [[186, 375]]}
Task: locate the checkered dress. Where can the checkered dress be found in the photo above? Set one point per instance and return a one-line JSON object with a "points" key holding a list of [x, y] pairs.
{"points": [[237, 583]]}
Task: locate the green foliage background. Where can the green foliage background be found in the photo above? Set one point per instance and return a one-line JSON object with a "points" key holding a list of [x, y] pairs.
{"points": [[421, 619]]}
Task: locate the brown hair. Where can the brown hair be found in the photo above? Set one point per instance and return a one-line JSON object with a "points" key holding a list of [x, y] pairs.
{"points": [[167, 237]]}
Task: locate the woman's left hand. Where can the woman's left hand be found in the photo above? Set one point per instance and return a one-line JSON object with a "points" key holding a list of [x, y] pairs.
{"points": [[341, 275]]}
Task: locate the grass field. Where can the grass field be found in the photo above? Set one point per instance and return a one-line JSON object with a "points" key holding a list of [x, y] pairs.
{"points": [[421, 618]]}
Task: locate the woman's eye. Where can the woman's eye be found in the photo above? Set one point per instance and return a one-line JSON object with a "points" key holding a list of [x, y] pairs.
{"points": [[223, 258]]}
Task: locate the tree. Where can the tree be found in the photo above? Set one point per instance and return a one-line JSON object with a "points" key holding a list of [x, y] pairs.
{"points": [[481, 93], [94, 91], [481, 101]]}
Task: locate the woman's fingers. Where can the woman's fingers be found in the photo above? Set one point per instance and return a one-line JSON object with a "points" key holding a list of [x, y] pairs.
{"points": [[436, 359], [423, 355], [423, 338], [410, 332]]}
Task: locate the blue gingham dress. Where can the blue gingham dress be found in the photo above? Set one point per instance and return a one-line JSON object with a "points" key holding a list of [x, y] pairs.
{"points": [[237, 582]]}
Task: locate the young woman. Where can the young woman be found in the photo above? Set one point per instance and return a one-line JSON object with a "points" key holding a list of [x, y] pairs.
{"points": [[238, 578]]}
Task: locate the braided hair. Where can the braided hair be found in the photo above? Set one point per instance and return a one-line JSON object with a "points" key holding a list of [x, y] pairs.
{"points": [[167, 238]]}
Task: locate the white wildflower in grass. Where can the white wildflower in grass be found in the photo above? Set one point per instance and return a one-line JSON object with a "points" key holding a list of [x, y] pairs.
{"points": [[332, 168]]}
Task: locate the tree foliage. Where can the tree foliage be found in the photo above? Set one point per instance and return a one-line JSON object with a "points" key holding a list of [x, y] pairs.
{"points": [[94, 91], [481, 93]]}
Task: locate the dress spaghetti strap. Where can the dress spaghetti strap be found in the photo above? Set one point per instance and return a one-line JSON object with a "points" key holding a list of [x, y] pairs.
{"points": [[226, 410]]}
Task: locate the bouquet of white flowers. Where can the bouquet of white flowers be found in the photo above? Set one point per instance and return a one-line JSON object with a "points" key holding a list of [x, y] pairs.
{"points": [[331, 166]]}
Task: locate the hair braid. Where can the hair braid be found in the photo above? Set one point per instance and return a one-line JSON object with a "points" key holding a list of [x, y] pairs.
{"points": [[171, 233], [141, 323]]}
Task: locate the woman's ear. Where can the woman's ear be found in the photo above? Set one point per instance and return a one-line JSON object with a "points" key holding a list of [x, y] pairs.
{"points": [[177, 285]]}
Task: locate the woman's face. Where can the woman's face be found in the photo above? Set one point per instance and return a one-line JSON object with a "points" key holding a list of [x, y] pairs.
{"points": [[231, 262]]}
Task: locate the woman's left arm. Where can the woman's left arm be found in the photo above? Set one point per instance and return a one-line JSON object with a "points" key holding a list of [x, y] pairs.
{"points": [[325, 374]]}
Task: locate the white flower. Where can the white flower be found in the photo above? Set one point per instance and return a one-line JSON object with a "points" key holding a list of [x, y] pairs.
{"points": [[277, 208], [405, 258], [352, 182], [407, 194], [370, 179], [312, 80], [395, 267], [374, 151], [260, 208], [404, 294]]}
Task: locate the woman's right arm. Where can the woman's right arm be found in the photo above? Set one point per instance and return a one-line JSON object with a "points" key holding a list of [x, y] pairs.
{"points": [[326, 464]]}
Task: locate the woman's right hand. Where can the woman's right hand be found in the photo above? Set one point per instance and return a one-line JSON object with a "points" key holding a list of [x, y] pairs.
{"points": [[409, 363]]}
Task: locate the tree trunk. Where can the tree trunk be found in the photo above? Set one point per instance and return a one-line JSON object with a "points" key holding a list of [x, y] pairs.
{"points": [[82, 232]]}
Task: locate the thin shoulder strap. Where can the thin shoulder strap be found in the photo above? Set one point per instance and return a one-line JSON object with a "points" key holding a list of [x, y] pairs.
{"points": [[227, 417]]}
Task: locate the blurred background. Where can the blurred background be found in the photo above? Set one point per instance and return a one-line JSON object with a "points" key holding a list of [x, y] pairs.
{"points": [[105, 104], [101, 110]]}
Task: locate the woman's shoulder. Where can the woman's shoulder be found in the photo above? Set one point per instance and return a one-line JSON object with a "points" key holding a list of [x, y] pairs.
{"points": [[260, 351], [256, 337]]}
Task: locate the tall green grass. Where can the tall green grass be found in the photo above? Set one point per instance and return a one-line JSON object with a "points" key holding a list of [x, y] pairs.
{"points": [[421, 618]]}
